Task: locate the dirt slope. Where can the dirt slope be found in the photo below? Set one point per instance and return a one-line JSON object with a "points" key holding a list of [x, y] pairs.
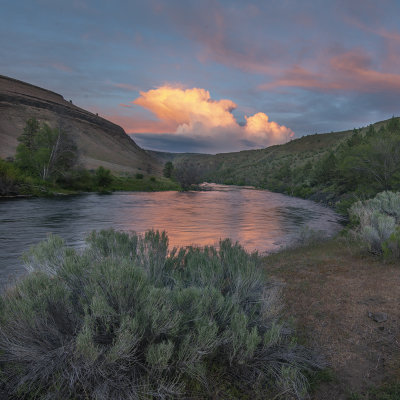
{"points": [[100, 142]]}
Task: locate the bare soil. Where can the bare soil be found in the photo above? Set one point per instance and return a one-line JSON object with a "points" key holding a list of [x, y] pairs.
{"points": [[330, 287]]}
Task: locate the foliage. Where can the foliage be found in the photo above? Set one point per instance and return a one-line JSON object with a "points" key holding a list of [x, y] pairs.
{"points": [[187, 174], [14, 182], [10, 179], [87, 181], [374, 161], [378, 221], [125, 319], [103, 177], [31, 129], [168, 169], [44, 152]]}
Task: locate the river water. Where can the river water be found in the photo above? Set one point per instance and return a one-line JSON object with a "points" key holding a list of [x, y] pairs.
{"points": [[258, 219]]}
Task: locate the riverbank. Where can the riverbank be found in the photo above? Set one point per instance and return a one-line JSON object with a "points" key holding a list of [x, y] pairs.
{"points": [[330, 288], [15, 182]]}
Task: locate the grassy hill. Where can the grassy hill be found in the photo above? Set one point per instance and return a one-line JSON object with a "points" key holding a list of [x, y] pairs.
{"points": [[250, 167], [100, 142]]}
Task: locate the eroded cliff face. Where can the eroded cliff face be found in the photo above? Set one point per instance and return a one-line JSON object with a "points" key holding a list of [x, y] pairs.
{"points": [[100, 142]]}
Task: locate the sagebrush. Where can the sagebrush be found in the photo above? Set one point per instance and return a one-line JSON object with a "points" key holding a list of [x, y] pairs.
{"points": [[378, 222], [127, 319]]}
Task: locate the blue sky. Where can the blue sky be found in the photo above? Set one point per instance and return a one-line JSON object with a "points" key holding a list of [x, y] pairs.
{"points": [[212, 76]]}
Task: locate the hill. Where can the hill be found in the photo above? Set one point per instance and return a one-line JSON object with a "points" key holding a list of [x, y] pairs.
{"points": [[327, 167], [100, 142]]}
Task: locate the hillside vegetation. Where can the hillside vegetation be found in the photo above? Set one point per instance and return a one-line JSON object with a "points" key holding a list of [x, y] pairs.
{"points": [[336, 168], [47, 162]]}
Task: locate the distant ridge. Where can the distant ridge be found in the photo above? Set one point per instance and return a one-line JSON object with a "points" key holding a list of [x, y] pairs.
{"points": [[100, 142], [253, 167]]}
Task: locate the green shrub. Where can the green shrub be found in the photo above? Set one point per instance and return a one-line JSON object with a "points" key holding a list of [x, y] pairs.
{"points": [[377, 222], [391, 247], [125, 319], [168, 169], [13, 181], [139, 176], [103, 177]]}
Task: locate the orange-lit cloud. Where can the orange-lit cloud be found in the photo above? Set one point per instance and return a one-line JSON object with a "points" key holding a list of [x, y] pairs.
{"points": [[351, 70], [187, 107], [258, 125], [194, 113], [140, 124]]}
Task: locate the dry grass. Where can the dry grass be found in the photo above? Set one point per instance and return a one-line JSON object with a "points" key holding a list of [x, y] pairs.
{"points": [[330, 288]]}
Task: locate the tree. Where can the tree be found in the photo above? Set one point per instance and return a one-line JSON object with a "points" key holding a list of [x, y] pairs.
{"points": [[45, 152], [30, 131], [376, 161], [187, 174], [103, 177], [325, 169], [393, 125], [168, 169]]}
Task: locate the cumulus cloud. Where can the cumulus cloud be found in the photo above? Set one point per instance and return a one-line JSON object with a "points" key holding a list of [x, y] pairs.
{"points": [[195, 114]]}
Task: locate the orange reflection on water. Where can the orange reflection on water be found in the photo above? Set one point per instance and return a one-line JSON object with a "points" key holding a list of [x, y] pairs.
{"points": [[259, 220]]}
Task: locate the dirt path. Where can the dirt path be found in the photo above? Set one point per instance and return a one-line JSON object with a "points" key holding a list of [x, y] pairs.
{"points": [[330, 289]]}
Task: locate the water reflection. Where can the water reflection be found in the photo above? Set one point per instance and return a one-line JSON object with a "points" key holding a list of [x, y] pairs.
{"points": [[258, 219]]}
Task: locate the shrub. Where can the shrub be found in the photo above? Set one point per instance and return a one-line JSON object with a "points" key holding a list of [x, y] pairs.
{"points": [[391, 247], [168, 169], [377, 220], [125, 319], [139, 176], [103, 177]]}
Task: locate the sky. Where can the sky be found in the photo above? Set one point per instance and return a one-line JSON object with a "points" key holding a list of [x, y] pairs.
{"points": [[211, 76]]}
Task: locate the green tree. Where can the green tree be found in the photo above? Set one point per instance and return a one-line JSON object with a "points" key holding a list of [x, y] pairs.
{"points": [[325, 169], [375, 162], [30, 131], [103, 177], [393, 125], [44, 152], [168, 169]]}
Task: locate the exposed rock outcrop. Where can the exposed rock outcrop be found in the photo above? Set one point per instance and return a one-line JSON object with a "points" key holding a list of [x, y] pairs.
{"points": [[100, 142]]}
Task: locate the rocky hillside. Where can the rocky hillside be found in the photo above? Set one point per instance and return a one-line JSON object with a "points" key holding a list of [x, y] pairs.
{"points": [[100, 142]]}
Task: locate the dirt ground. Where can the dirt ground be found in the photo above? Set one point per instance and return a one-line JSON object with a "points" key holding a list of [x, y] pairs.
{"points": [[330, 288]]}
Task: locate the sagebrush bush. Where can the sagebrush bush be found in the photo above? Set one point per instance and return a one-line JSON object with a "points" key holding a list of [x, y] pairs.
{"points": [[377, 220], [126, 319]]}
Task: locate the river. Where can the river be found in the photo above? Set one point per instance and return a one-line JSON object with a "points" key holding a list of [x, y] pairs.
{"points": [[258, 219]]}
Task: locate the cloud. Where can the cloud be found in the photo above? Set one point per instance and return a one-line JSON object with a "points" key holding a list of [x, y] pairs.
{"points": [[125, 86], [61, 67], [348, 71], [187, 107], [259, 126], [194, 114]]}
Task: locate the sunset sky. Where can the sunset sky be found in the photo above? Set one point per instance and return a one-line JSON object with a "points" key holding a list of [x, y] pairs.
{"points": [[211, 76]]}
